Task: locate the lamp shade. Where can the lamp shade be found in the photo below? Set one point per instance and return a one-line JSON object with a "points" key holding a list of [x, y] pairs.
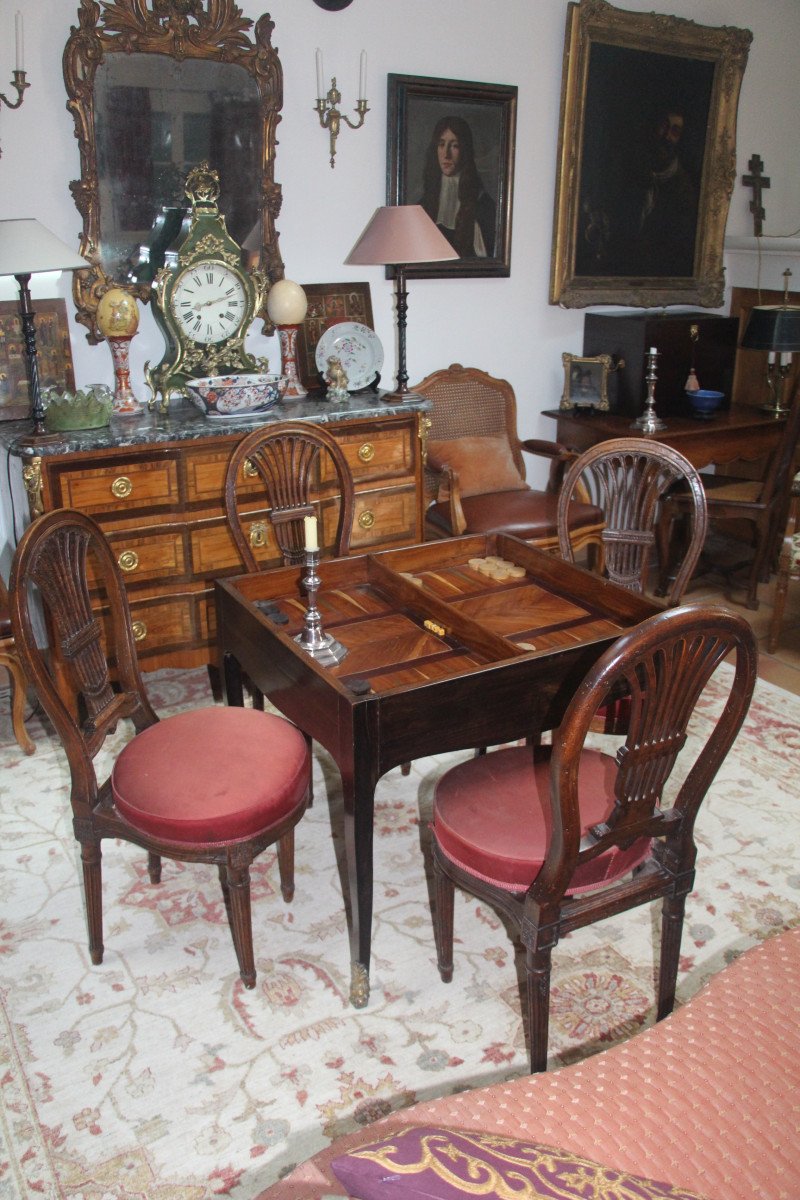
{"points": [[773, 327], [400, 234], [27, 247], [286, 303]]}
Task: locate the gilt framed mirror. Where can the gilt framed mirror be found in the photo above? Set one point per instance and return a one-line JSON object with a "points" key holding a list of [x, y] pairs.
{"points": [[155, 87]]}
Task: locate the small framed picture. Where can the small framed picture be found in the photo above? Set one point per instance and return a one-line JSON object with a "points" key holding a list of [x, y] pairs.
{"points": [[53, 355], [328, 303], [586, 381]]}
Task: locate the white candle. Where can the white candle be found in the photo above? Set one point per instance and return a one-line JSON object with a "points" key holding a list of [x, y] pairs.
{"points": [[653, 350], [20, 48], [771, 356], [362, 77], [320, 91], [310, 525]]}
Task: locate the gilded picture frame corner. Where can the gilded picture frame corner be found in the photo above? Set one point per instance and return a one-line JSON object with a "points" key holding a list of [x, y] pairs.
{"points": [[619, 70], [485, 137]]}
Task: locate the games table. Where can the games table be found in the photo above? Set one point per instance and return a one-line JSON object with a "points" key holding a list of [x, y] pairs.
{"points": [[441, 656]]}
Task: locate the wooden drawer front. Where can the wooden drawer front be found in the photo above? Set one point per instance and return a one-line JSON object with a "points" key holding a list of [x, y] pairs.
{"points": [[376, 454], [213, 551], [154, 556], [161, 624], [205, 476], [384, 518], [123, 487]]}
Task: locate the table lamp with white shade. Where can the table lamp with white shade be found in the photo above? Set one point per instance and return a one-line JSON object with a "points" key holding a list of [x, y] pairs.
{"points": [[287, 306], [398, 235], [27, 248]]}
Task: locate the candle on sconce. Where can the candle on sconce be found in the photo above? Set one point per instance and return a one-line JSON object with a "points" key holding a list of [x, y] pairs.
{"points": [[362, 76], [19, 41], [320, 84], [310, 527]]}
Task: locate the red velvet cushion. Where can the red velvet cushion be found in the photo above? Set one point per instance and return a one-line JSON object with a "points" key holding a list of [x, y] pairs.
{"points": [[212, 775], [492, 816], [527, 514]]}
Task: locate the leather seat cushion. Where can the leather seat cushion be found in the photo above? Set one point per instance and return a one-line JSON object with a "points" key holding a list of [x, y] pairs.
{"points": [[492, 817], [526, 514], [212, 775]]}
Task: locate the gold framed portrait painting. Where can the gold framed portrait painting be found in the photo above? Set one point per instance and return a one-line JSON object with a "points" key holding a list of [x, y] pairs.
{"points": [[646, 158]]}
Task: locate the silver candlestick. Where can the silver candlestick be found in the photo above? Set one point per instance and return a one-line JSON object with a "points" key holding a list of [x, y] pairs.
{"points": [[648, 422], [322, 647]]}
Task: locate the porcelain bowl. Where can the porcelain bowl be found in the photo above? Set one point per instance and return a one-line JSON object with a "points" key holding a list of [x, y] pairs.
{"points": [[236, 395], [705, 402]]}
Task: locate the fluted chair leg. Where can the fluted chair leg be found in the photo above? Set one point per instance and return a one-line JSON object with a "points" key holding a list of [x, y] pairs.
{"points": [[91, 859], [672, 911], [241, 922], [444, 907], [286, 864], [154, 866], [538, 964]]}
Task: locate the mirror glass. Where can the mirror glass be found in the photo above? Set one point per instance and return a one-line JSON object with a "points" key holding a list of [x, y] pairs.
{"points": [[156, 87], [155, 119]]}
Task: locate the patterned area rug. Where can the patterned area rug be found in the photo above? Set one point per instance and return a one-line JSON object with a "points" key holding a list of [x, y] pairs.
{"points": [[157, 1075]]}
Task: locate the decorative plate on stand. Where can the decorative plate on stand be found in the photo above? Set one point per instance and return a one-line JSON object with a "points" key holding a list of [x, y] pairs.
{"points": [[358, 349]]}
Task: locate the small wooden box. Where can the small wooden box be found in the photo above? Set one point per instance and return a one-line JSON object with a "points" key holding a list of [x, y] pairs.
{"points": [[683, 340]]}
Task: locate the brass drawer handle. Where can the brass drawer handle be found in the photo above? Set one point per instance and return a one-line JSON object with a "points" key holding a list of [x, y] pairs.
{"points": [[139, 631], [366, 452], [121, 487], [128, 560], [249, 469], [366, 519], [258, 534]]}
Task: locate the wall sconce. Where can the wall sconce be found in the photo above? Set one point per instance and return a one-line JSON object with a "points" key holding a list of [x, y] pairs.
{"points": [[330, 117], [19, 82]]}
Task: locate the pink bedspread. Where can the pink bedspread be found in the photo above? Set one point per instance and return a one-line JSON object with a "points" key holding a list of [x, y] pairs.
{"points": [[708, 1099]]}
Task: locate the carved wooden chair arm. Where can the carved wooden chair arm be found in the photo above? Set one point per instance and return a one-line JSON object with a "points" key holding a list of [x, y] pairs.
{"points": [[448, 489], [558, 454]]}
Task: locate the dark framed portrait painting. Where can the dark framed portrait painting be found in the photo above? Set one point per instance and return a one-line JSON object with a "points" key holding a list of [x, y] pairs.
{"points": [[450, 148], [646, 161]]}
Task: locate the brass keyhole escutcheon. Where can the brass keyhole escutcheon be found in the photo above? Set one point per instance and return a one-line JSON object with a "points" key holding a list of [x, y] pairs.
{"points": [[366, 452], [366, 519], [121, 487], [128, 560], [249, 469], [139, 631], [258, 535]]}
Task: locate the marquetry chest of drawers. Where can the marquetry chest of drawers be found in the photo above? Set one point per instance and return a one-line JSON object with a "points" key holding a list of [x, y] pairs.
{"points": [[158, 494]]}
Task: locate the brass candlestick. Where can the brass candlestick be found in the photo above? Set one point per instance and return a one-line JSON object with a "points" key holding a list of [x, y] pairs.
{"points": [[323, 647], [648, 422]]}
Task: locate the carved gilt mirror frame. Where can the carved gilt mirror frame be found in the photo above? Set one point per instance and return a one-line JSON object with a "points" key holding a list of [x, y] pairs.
{"points": [[209, 31]]}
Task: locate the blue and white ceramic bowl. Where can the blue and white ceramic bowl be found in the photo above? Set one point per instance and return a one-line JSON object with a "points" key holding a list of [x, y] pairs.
{"points": [[231, 396]]}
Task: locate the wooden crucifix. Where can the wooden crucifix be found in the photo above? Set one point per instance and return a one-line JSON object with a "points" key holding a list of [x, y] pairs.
{"points": [[756, 181]]}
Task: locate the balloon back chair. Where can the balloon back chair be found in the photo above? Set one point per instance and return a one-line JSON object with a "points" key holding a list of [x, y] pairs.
{"points": [[302, 472], [213, 785], [475, 471], [561, 837], [630, 480], [9, 658]]}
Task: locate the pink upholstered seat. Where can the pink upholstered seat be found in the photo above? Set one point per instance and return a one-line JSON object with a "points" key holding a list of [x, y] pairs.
{"points": [[211, 775], [492, 817]]}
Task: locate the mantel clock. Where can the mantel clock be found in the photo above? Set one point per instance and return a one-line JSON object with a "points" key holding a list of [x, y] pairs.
{"points": [[206, 303]]}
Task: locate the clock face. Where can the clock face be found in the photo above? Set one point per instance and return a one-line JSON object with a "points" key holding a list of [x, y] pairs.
{"points": [[208, 302]]}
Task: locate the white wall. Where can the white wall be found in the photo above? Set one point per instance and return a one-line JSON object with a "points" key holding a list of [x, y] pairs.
{"points": [[502, 325]]}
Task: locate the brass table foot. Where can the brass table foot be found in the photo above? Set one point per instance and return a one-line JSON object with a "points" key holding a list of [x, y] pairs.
{"points": [[359, 985]]}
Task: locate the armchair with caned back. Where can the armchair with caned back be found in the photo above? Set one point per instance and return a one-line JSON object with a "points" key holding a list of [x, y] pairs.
{"points": [[475, 470]]}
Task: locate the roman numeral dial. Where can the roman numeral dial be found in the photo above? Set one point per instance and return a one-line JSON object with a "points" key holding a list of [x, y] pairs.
{"points": [[208, 302]]}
